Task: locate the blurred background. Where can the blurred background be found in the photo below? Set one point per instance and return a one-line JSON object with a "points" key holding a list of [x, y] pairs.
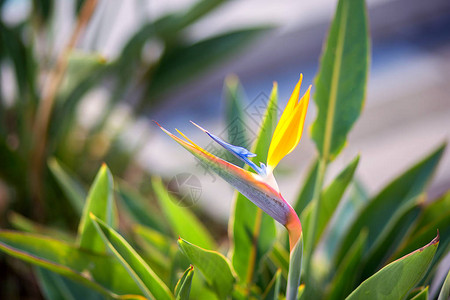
{"points": [[81, 82]]}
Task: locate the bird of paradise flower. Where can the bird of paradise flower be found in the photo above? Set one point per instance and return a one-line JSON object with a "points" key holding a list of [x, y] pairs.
{"points": [[261, 187]]}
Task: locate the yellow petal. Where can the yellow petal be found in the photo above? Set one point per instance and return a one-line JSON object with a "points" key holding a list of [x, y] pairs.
{"points": [[289, 129]]}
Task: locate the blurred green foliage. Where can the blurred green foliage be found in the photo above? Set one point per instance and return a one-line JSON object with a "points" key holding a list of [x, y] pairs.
{"points": [[135, 242]]}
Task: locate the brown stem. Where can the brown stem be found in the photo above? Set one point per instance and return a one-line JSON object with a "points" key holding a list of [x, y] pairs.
{"points": [[43, 114]]}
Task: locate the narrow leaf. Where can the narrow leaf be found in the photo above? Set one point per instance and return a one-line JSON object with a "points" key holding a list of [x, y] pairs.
{"points": [[214, 266], [306, 194], [55, 286], [377, 213], [183, 62], [149, 283], [347, 273], [342, 78], [73, 190], [253, 231], [99, 202], [138, 208], [331, 197], [100, 272], [183, 287], [236, 129], [396, 279], [182, 221]]}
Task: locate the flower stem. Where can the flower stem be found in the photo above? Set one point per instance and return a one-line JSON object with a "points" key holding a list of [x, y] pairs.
{"points": [[312, 230]]}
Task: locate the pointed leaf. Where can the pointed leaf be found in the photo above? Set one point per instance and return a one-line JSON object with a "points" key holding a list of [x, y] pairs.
{"points": [[378, 212], [99, 202], [253, 231], [421, 295], [183, 287], [396, 279], [100, 272], [182, 221], [342, 78], [149, 283], [214, 266]]}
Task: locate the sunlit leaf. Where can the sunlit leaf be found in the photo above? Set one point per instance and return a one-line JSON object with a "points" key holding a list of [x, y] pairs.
{"points": [[396, 279], [99, 202], [341, 81], [183, 287], [97, 271], [215, 267], [149, 283]]}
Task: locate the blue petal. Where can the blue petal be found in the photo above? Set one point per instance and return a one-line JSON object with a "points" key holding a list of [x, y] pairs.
{"points": [[239, 152]]}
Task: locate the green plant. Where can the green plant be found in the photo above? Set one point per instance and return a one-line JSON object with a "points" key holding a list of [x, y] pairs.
{"points": [[355, 246]]}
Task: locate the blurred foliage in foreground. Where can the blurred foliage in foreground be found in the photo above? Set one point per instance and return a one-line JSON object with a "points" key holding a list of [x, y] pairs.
{"points": [[356, 245]]}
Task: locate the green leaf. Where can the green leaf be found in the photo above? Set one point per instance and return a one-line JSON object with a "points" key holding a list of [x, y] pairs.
{"points": [[391, 236], [306, 194], [139, 209], [273, 289], [436, 215], [182, 221], [253, 232], [149, 283], [55, 286], [347, 273], [396, 279], [99, 202], [21, 223], [342, 78], [421, 295], [344, 216], [236, 129], [331, 197], [214, 266], [183, 62], [73, 190], [97, 271], [445, 290], [380, 210], [183, 287], [295, 270], [280, 257]]}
